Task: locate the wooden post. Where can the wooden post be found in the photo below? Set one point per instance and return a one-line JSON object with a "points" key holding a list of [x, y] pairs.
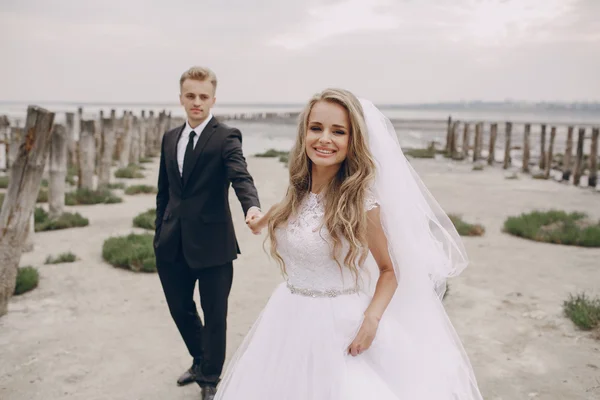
{"points": [[98, 140], [579, 157], [507, 145], [87, 154], [478, 142], [550, 153], [106, 154], [57, 167], [143, 129], [593, 179], [126, 140], [135, 140], [567, 161], [16, 135], [526, 148], [23, 188], [542, 163], [150, 134], [29, 243], [492, 150], [4, 141], [71, 143], [453, 140], [465, 141]]}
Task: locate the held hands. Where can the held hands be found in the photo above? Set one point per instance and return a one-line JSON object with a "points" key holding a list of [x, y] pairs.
{"points": [[364, 337], [253, 218]]}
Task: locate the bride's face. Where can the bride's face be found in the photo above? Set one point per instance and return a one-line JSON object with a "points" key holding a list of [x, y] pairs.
{"points": [[327, 134]]}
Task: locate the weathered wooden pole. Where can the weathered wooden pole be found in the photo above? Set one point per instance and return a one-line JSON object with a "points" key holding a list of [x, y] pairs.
{"points": [[478, 141], [71, 143], [492, 150], [526, 148], [453, 140], [106, 153], [143, 129], [4, 141], [98, 140], [593, 179], [567, 160], [17, 209], [16, 135], [57, 168], [507, 145], [135, 140], [87, 154], [150, 134], [579, 157], [550, 153], [124, 156], [542, 163], [465, 141]]}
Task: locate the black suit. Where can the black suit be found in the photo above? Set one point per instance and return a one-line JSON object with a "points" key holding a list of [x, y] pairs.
{"points": [[195, 238]]}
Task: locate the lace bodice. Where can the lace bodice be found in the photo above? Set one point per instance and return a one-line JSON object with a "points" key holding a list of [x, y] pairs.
{"points": [[305, 246]]}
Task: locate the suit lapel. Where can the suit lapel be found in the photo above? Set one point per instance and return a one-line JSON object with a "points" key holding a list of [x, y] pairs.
{"points": [[206, 134]]}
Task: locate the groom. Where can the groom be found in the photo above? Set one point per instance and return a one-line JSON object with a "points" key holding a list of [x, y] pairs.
{"points": [[195, 238]]}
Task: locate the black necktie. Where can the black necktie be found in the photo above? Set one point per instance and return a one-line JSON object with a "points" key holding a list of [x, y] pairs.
{"points": [[188, 156]]}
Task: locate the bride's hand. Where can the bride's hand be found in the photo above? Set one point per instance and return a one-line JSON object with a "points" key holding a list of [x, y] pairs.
{"points": [[256, 224], [364, 337]]}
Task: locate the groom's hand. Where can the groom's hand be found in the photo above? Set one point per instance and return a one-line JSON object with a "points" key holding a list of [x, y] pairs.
{"points": [[254, 214]]}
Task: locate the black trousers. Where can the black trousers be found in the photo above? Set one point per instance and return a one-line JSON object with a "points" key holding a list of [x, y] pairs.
{"points": [[205, 342]]}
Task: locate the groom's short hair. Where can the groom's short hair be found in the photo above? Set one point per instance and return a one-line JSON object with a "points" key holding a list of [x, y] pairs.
{"points": [[199, 74]]}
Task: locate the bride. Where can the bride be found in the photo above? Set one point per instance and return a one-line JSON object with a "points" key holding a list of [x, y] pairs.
{"points": [[366, 251]]}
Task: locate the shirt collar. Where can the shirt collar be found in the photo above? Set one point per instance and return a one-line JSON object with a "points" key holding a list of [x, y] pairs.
{"points": [[188, 129]]}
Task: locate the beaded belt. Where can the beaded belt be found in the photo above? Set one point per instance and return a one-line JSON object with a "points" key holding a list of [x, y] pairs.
{"points": [[321, 293]]}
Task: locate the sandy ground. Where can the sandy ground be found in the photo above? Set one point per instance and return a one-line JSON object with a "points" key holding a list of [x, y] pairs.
{"points": [[91, 331]]}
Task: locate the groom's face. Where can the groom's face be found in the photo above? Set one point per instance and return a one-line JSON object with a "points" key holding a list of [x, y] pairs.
{"points": [[197, 97]]}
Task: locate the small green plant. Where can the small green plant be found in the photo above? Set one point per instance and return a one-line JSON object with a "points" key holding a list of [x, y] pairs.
{"points": [[132, 171], [116, 185], [271, 153], [4, 181], [88, 197], [583, 311], [137, 189], [464, 228], [145, 220], [61, 258], [134, 252], [66, 220], [145, 160], [42, 195], [27, 280], [559, 227]]}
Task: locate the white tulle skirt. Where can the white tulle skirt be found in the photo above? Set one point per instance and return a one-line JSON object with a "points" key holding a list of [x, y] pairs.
{"points": [[298, 350]]}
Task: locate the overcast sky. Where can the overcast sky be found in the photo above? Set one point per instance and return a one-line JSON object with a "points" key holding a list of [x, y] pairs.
{"points": [[391, 51]]}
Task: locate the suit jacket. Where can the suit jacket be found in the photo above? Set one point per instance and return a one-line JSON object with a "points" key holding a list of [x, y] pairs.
{"points": [[194, 216]]}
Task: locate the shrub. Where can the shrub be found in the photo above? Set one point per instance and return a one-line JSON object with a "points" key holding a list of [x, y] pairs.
{"points": [[134, 252], [27, 280], [116, 185], [583, 311], [132, 171], [61, 258], [137, 189], [559, 227], [87, 197], [464, 228], [64, 221], [146, 220], [4, 181], [272, 153]]}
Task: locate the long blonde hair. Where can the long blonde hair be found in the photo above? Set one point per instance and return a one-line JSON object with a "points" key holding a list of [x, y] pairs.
{"points": [[344, 196]]}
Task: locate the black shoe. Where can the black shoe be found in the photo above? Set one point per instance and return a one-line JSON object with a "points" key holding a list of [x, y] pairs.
{"points": [[208, 392], [187, 377]]}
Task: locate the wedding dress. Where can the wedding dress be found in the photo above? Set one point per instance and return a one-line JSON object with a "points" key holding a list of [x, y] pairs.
{"points": [[298, 347]]}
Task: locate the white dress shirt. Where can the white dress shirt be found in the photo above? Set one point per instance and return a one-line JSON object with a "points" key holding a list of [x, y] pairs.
{"points": [[185, 137]]}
